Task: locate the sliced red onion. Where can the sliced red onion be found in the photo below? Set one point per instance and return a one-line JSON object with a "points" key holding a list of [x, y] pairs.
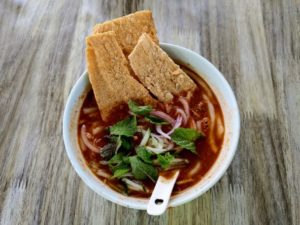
{"points": [[86, 141], [164, 116], [89, 110], [177, 124], [182, 113], [160, 131], [167, 135], [185, 105]]}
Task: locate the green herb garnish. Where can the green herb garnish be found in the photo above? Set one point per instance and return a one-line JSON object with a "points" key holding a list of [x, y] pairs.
{"points": [[143, 154], [139, 110], [119, 161], [185, 137], [125, 127], [145, 111], [141, 170], [155, 120], [120, 172], [165, 160]]}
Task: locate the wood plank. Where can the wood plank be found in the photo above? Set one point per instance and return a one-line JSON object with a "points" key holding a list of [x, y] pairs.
{"points": [[255, 44]]}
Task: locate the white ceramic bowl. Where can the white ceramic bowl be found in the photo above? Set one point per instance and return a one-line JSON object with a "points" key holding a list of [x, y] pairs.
{"points": [[229, 107]]}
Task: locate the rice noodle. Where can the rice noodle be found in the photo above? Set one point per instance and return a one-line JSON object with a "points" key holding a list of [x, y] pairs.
{"points": [[212, 116], [96, 124], [185, 105], [82, 145], [198, 125], [194, 170], [212, 145], [192, 123], [211, 111], [182, 113], [102, 173], [189, 95], [220, 127], [202, 84], [94, 114], [86, 141], [185, 181], [89, 110], [164, 116], [97, 130], [168, 108]]}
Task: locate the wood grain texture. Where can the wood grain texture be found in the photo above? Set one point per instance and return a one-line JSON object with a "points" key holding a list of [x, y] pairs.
{"points": [[254, 43]]}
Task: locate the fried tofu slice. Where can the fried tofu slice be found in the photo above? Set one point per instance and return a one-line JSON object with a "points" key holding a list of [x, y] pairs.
{"points": [[129, 28], [109, 75], [157, 71]]}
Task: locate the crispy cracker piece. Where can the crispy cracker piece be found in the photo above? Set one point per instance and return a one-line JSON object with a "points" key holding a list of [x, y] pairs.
{"points": [[129, 28], [157, 71], [109, 75]]}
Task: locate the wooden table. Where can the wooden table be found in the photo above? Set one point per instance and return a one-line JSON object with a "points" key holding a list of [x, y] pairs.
{"points": [[254, 43]]}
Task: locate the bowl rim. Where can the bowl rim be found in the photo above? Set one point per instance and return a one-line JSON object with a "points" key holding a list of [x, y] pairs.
{"points": [[136, 203]]}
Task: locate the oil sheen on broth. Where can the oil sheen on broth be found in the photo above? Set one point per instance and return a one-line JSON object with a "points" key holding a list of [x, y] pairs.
{"points": [[207, 116]]}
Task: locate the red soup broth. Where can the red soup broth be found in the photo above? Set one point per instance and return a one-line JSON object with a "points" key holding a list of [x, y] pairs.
{"points": [[204, 107]]}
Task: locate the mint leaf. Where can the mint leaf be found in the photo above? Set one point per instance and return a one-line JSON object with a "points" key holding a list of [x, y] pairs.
{"points": [[125, 159], [155, 120], [118, 143], [185, 137], [139, 110], [141, 170], [187, 134], [120, 172], [125, 127], [143, 154], [126, 143], [122, 142], [118, 161], [165, 160]]}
